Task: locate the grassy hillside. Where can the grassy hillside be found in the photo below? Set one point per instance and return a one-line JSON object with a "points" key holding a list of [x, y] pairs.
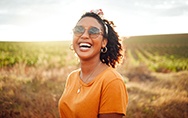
{"points": [[166, 38], [160, 53]]}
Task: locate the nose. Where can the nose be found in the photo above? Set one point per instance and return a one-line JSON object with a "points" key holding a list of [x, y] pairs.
{"points": [[85, 34]]}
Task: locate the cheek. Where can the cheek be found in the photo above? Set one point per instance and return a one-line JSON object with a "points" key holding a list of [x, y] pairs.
{"points": [[74, 41]]}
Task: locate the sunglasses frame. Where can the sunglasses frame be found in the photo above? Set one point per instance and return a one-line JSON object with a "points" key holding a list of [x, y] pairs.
{"points": [[89, 30]]}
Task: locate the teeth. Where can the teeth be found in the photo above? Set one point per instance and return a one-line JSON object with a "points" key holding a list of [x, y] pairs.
{"points": [[85, 45]]}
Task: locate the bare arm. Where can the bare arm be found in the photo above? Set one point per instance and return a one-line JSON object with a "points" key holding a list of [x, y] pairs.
{"points": [[111, 115]]}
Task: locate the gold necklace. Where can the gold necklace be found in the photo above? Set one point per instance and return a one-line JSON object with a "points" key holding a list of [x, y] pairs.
{"points": [[79, 89]]}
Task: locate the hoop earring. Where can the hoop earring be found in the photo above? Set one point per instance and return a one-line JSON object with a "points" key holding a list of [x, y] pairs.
{"points": [[104, 50], [71, 47]]}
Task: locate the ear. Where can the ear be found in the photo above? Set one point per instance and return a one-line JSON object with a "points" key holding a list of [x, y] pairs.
{"points": [[104, 42]]}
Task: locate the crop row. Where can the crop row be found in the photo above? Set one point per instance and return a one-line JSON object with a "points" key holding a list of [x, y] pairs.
{"points": [[160, 58]]}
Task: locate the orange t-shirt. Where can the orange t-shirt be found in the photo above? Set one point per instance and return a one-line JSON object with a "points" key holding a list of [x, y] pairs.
{"points": [[106, 93]]}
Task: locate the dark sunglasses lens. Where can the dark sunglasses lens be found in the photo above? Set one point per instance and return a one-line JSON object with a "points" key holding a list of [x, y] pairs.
{"points": [[78, 30], [94, 30]]}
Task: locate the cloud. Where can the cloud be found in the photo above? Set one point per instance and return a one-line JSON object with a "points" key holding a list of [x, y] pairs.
{"points": [[156, 8], [24, 11], [175, 10]]}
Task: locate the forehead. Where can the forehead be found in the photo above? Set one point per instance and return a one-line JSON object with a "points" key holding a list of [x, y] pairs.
{"points": [[88, 22]]}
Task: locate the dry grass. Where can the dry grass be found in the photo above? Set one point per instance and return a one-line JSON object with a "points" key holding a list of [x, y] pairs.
{"points": [[34, 92], [31, 92], [157, 95]]}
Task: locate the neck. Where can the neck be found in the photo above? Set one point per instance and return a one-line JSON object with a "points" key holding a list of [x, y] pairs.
{"points": [[89, 70], [88, 66]]}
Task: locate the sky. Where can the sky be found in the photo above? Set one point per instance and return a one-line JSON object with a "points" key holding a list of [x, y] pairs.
{"points": [[53, 20]]}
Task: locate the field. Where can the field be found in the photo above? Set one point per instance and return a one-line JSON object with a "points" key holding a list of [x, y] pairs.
{"points": [[162, 53], [155, 70]]}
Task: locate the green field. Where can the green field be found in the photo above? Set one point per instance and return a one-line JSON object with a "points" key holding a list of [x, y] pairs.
{"points": [[155, 70], [48, 54], [161, 53]]}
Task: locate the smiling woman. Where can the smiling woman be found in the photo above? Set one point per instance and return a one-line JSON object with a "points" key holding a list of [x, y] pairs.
{"points": [[96, 89]]}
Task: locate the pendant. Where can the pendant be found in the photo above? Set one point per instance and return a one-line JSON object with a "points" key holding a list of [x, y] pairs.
{"points": [[78, 91]]}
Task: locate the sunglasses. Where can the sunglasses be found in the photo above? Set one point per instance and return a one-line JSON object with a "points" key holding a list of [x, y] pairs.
{"points": [[92, 31]]}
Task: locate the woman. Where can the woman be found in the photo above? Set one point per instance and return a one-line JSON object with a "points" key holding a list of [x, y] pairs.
{"points": [[96, 90]]}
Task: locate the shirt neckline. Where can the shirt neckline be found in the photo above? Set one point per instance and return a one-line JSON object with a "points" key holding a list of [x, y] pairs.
{"points": [[94, 79]]}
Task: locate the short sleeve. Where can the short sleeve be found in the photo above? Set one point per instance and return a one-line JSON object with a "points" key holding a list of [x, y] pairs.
{"points": [[114, 98]]}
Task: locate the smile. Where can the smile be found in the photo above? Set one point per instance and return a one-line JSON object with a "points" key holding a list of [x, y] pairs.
{"points": [[85, 45]]}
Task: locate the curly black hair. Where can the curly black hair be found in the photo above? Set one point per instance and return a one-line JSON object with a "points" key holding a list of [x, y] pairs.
{"points": [[114, 55]]}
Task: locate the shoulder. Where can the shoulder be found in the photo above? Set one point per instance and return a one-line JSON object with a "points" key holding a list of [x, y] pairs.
{"points": [[111, 75], [112, 72], [74, 74]]}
